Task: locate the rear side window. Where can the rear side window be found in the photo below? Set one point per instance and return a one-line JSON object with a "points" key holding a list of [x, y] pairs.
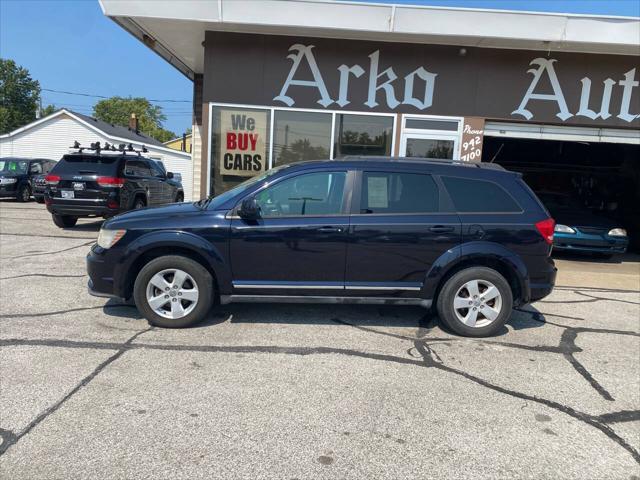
{"points": [[391, 192], [87, 165], [470, 195]]}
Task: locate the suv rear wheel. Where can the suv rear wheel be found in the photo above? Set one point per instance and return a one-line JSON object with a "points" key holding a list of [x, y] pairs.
{"points": [[475, 302], [180, 197], [139, 203], [173, 291], [64, 221]]}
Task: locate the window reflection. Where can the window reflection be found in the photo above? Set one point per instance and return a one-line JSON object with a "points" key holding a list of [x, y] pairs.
{"points": [[300, 136], [362, 135]]}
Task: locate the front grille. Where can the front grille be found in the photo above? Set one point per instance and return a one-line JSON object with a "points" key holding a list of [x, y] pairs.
{"points": [[593, 230]]}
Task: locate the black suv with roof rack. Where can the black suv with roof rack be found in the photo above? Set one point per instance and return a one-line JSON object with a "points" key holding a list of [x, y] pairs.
{"points": [[105, 181], [470, 239]]}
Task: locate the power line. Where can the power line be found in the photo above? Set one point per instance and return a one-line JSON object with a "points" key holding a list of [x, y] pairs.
{"points": [[102, 96]]}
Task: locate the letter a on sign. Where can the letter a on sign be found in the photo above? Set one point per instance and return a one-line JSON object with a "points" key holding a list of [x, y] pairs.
{"points": [[544, 65], [317, 82]]}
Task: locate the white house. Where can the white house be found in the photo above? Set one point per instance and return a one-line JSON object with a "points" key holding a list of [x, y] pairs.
{"points": [[51, 137]]}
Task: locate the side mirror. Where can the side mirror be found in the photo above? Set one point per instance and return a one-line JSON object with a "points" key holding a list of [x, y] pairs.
{"points": [[169, 174], [249, 209]]}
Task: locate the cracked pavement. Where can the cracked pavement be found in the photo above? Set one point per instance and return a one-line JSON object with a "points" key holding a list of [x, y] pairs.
{"points": [[89, 390]]}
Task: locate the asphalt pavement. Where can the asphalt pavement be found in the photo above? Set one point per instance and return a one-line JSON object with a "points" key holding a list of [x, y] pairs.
{"points": [[89, 390]]}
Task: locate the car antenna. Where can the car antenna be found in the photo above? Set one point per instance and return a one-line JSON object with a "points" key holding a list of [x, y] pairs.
{"points": [[497, 153]]}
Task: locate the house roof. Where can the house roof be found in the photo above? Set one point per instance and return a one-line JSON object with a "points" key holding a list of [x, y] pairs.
{"points": [[115, 133], [176, 34], [111, 130]]}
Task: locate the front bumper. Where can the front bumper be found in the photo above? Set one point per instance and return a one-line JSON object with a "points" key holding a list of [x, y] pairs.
{"points": [[100, 271], [8, 190], [582, 242]]}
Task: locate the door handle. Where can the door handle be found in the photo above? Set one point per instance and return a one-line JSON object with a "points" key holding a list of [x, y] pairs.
{"points": [[329, 229], [441, 229]]}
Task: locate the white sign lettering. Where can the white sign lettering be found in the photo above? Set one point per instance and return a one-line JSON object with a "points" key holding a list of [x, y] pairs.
{"points": [[384, 82]]}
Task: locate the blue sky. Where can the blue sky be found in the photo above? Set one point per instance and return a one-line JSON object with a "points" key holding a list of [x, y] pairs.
{"points": [[71, 46]]}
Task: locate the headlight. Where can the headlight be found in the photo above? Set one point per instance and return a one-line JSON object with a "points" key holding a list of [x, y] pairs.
{"points": [[617, 232], [8, 180], [108, 238], [563, 229]]}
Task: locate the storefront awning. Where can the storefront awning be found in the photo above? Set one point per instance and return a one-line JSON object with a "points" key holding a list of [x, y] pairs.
{"points": [[176, 30]]}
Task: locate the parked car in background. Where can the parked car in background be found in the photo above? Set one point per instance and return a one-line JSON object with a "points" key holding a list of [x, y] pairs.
{"points": [[580, 230], [470, 239], [17, 175], [104, 184]]}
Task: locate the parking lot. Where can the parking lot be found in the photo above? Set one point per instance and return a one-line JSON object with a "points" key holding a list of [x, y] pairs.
{"points": [[89, 390]]}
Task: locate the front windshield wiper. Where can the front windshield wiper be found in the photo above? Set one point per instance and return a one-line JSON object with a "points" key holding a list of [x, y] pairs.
{"points": [[204, 202]]}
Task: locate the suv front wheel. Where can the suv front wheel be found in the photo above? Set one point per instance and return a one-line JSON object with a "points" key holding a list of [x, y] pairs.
{"points": [[475, 302], [173, 291]]}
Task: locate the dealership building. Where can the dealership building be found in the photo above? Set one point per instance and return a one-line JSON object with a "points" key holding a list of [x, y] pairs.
{"points": [[554, 96]]}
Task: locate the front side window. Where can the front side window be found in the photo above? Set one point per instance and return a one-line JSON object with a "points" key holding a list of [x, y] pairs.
{"points": [[156, 171], [300, 136], [470, 195], [387, 192], [318, 193], [366, 135]]}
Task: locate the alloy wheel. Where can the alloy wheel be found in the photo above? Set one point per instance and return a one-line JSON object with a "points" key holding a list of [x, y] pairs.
{"points": [[477, 303], [172, 293]]}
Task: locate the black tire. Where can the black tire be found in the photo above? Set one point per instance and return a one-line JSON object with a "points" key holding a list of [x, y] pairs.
{"points": [[39, 199], [201, 277], [24, 193], [64, 221], [180, 197], [139, 203], [447, 312]]}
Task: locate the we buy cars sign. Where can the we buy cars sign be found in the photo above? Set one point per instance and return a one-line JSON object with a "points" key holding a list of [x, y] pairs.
{"points": [[243, 145]]}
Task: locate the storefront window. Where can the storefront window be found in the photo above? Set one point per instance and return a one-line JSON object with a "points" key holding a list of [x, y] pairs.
{"points": [[430, 148], [362, 135], [239, 145], [299, 136]]}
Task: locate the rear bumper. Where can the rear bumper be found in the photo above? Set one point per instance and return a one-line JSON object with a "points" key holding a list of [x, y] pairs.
{"points": [[541, 282], [82, 209]]}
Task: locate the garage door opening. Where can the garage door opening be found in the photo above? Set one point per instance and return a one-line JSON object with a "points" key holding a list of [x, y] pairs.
{"points": [[603, 178]]}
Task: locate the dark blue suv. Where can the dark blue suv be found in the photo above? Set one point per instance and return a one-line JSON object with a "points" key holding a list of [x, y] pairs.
{"points": [[468, 238]]}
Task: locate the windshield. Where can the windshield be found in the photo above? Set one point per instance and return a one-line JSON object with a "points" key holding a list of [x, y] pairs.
{"points": [[13, 166], [219, 200]]}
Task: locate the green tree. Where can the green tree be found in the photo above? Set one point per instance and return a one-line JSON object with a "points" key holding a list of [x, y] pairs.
{"points": [[19, 95], [118, 110], [48, 110]]}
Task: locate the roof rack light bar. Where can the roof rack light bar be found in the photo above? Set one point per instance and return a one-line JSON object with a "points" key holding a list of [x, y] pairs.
{"points": [[108, 147]]}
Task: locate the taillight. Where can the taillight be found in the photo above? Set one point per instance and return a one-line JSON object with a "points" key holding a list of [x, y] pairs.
{"points": [[546, 227], [110, 182], [52, 179], [112, 204]]}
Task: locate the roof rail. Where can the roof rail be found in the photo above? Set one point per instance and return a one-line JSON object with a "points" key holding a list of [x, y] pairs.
{"points": [[107, 147], [492, 166]]}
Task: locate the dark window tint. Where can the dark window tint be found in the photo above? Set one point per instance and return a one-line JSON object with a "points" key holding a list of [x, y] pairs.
{"points": [[87, 165], [138, 168], [309, 194], [479, 196], [156, 170], [386, 192]]}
